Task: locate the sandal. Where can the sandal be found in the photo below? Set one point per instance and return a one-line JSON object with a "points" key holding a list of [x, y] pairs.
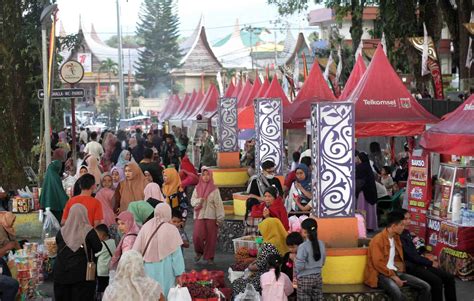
{"points": [[197, 257]]}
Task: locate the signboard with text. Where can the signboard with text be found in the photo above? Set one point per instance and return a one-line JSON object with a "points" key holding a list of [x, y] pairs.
{"points": [[418, 190]]}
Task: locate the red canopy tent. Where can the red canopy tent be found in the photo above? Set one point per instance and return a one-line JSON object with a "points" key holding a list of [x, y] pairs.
{"points": [[356, 74], [246, 118], [230, 90], [244, 93], [383, 105], [453, 135], [237, 89], [193, 106], [172, 103], [199, 105], [255, 88], [314, 89], [181, 110], [211, 102]]}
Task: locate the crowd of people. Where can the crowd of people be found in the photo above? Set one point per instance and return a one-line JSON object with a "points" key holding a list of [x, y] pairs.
{"points": [[127, 195]]}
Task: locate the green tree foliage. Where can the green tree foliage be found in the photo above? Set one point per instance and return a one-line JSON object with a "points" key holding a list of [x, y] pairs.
{"points": [[20, 77], [127, 41], [158, 27], [110, 67]]}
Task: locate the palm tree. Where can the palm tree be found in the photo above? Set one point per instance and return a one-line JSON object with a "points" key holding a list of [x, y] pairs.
{"points": [[110, 67]]}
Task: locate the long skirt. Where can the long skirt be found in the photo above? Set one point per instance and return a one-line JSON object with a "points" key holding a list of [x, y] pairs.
{"points": [[205, 237], [370, 212]]}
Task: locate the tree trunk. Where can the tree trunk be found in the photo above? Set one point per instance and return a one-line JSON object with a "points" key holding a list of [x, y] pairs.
{"points": [[356, 30], [464, 14]]}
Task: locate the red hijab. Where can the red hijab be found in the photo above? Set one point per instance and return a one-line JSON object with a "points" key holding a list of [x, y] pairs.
{"points": [[187, 165], [203, 190]]}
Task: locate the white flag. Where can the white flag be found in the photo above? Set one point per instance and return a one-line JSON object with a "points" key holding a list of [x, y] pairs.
{"points": [[328, 65], [339, 65], [424, 55], [296, 71], [359, 50], [219, 83], [384, 43], [260, 76], [469, 55]]}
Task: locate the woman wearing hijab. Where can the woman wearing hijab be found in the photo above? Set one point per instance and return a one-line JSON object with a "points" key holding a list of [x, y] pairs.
{"points": [[208, 215], [164, 262], [52, 191], [106, 198], [143, 211], [173, 191], [117, 176], [366, 190], [131, 282], [77, 243], [129, 229], [188, 173], [274, 243], [272, 206], [124, 158], [80, 172], [300, 194], [114, 157], [93, 167], [132, 188]]}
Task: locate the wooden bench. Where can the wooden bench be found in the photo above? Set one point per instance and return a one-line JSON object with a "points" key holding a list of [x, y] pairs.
{"points": [[355, 292]]}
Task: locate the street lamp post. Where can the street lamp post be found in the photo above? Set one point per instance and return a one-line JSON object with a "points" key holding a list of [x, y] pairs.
{"points": [[120, 63], [45, 21]]}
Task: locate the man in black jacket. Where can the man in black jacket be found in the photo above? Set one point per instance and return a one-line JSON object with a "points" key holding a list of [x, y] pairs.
{"points": [[425, 269]]}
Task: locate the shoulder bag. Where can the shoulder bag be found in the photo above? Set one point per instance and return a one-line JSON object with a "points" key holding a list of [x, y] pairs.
{"points": [[151, 237], [91, 266]]}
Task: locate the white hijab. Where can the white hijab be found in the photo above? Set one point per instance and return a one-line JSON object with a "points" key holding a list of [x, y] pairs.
{"points": [[130, 281]]}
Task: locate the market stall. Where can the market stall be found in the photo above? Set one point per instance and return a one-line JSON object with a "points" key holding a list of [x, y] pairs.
{"points": [[450, 215]]}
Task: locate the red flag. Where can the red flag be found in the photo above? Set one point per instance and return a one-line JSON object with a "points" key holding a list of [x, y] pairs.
{"points": [[305, 67]]}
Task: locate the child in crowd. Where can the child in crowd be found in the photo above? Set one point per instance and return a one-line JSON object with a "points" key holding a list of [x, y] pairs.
{"points": [[103, 258], [386, 178], [276, 286], [293, 240], [177, 220], [310, 259]]}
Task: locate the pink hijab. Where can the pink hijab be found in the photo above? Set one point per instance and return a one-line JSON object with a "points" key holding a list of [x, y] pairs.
{"points": [[133, 229], [153, 190], [157, 250], [93, 167], [203, 190], [121, 175], [105, 197]]}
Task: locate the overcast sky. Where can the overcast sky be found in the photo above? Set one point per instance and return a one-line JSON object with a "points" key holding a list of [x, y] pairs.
{"points": [[220, 16]]}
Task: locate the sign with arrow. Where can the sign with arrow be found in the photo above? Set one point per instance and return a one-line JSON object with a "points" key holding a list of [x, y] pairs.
{"points": [[63, 93]]}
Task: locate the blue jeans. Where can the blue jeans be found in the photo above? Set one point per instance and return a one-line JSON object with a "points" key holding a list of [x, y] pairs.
{"points": [[8, 288], [392, 289]]}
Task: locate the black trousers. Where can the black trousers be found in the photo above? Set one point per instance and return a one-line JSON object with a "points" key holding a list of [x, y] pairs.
{"points": [[437, 279], [79, 291]]}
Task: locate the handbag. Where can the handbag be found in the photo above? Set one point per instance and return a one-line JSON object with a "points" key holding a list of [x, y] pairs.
{"points": [[91, 266], [179, 294], [151, 237]]}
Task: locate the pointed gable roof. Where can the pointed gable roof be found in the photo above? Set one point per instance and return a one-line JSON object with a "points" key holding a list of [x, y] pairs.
{"points": [[95, 36], [181, 110], [354, 78], [211, 101], [230, 90], [453, 135], [383, 105], [171, 105], [314, 89], [263, 89], [255, 88], [237, 89], [276, 91], [244, 93], [300, 46]]}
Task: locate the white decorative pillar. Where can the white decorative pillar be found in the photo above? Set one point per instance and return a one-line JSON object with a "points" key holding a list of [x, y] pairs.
{"points": [[333, 173], [228, 156], [269, 132]]}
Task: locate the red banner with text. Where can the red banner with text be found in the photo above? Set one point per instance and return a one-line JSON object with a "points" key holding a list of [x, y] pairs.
{"points": [[419, 191]]}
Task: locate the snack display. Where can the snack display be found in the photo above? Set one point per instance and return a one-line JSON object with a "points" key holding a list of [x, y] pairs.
{"points": [[27, 267], [51, 246]]}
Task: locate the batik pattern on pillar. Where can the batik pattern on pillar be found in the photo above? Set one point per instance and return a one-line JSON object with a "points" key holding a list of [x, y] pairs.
{"points": [[269, 132], [227, 125]]}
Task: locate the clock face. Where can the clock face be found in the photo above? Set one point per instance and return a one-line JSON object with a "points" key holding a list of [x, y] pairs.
{"points": [[72, 72]]}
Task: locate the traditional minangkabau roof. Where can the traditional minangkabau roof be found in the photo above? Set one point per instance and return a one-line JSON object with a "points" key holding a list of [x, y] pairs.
{"points": [[234, 53], [301, 45], [193, 46]]}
